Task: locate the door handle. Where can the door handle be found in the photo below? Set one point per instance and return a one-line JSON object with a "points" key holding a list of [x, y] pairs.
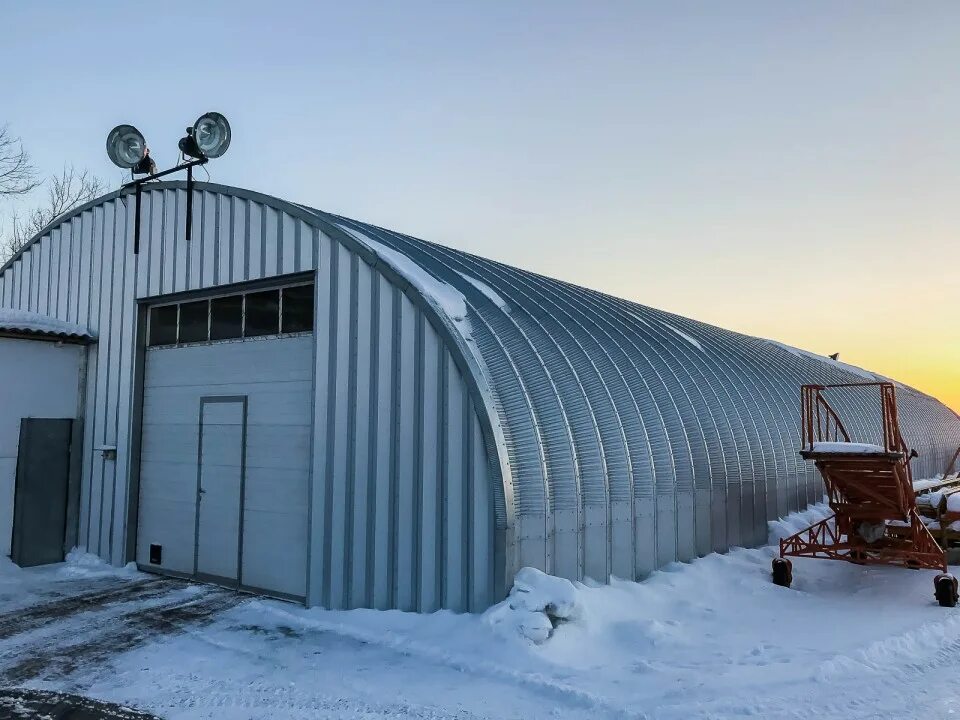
{"points": [[201, 491]]}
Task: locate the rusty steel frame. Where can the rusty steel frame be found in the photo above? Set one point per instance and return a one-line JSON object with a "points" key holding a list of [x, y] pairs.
{"points": [[916, 549], [817, 414], [855, 494]]}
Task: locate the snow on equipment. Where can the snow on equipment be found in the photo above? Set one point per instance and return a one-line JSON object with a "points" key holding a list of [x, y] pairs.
{"points": [[938, 502], [869, 487]]}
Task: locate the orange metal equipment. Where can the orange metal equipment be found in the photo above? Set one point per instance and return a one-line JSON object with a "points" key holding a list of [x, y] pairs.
{"points": [[870, 490]]}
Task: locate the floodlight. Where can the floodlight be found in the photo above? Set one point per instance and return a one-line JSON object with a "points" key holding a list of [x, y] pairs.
{"points": [[208, 138], [126, 146], [212, 133]]}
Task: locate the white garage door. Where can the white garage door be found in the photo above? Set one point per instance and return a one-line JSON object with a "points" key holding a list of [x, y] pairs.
{"points": [[225, 462]]}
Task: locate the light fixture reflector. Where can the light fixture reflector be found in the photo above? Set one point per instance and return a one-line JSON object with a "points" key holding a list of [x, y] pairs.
{"points": [[212, 134], [125, 146]]}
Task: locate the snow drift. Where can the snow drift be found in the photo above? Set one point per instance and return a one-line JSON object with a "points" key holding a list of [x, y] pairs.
{"points": [[536, 605]]}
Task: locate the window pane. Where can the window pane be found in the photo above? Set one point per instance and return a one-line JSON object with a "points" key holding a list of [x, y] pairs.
{"points": [[298, 309], [193, 321], [163, 325], [226, 317], [262, 313]]}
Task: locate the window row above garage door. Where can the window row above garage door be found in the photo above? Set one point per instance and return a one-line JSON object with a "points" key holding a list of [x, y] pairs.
{"points": [[254, 313]]}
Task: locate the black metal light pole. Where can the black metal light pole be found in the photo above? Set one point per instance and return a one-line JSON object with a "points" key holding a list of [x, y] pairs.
{"points": [[137, 185]]}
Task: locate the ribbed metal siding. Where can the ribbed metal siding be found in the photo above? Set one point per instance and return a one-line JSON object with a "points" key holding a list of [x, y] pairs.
{"points": [[405, 516], [606, 406], [78, 272]]}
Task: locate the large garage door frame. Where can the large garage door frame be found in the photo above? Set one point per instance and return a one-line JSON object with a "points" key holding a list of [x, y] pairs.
{"points": [[139, 371]]}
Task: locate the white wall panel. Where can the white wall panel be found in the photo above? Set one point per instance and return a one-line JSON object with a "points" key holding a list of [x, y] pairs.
{"points": [[239, 233], [171, 235], [155, 243], [225, 247], [288, 245], [270, 224]]}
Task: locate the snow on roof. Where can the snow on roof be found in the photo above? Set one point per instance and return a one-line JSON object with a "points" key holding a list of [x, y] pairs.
{"points": [[848, 448], [689, 338], [35, 323], [865, 374], [446, 296], [681, 333], [491, 294]]}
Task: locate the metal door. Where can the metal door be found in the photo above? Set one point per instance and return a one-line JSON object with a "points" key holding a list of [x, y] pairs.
{"points": [[40, 494], [220, 476], [275, 375]]}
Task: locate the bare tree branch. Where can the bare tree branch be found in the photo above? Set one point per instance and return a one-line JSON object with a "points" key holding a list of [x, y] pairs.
{"points": [[17, 175], [64, 192]]}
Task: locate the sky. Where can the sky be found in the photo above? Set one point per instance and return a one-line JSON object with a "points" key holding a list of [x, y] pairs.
{"points": [[784, 169]]}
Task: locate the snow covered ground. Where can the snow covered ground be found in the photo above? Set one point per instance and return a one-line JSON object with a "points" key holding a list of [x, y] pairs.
{"points": [[710, 639]]}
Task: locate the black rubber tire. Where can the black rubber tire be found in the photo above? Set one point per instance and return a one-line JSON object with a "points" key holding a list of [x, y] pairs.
{"points": [[857, 557], [782, 572], [945, 590]]}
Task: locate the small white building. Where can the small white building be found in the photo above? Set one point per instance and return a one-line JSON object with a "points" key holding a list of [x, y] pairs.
{"points": [[42, 365]]}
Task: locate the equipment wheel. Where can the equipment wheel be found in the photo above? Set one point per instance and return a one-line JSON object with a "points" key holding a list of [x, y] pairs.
{"points": [[945, 590], [782, 572]]}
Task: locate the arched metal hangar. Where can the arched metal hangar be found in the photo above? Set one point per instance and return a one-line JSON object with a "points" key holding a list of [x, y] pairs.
{"points": [[315, 408]]}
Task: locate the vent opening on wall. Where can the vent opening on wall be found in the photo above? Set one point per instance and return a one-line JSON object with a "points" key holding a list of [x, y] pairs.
{"points": [[156, 554]]}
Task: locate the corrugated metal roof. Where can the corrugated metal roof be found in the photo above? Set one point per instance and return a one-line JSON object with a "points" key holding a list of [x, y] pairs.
{"points": [[31, 323], [604, 402]]}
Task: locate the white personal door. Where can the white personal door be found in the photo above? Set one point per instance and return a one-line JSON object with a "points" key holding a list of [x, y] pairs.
{"points": [[220, 488]]}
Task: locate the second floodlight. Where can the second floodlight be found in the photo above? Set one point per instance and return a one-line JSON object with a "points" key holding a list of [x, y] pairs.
{"points": [[212, 133], [208, 138]]}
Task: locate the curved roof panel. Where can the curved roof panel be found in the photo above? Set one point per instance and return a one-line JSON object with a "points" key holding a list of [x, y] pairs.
{"points": [[605, 404]]}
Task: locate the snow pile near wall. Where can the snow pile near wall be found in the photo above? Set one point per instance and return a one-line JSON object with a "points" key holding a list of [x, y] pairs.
{"points": [[784, 527], [31, 322], [538, 603], [81, 564], [8, 569]]}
